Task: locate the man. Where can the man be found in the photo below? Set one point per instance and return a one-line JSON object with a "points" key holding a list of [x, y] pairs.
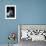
{"points": [[10, 13]]}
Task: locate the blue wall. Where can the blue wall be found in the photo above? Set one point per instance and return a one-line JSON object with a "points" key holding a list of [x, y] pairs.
{"points": [[27, 12]]}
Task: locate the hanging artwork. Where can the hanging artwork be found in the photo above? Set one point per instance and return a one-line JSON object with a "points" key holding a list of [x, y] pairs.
{"points": [[10, 12]]}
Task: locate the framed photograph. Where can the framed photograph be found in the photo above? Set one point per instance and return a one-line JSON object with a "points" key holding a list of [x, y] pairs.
{"points": [[10, 11], [33, 32]]}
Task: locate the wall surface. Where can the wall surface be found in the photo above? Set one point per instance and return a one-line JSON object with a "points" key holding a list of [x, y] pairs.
{"points": [[27, 12]]}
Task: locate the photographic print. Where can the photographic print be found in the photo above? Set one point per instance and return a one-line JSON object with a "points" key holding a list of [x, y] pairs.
{"points": [[10, 12], [30, 33]]}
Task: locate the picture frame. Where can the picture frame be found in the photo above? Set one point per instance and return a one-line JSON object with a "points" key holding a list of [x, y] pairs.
{"points": [[10, 11], [36, 32]]}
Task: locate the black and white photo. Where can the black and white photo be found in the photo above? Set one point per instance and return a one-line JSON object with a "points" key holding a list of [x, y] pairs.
{"points": [[10, 12]]}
